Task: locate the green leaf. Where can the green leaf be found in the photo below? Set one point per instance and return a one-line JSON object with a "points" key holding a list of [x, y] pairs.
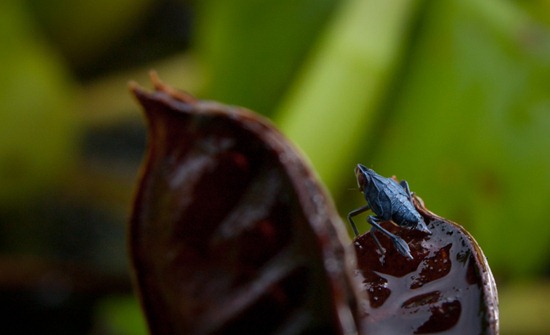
{"points": [[335, 100], [252, 49], [469, 128], [38, 127]]}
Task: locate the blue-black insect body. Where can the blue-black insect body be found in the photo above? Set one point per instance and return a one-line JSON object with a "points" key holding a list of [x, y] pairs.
{"points": [[389, 201]]}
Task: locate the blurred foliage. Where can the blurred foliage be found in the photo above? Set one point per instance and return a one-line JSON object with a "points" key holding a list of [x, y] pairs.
{"points": [[524, 308], [37, 124], [252, 49], [336, 98], [469, 126], [119, 315], [85, 29], [449, 95]]}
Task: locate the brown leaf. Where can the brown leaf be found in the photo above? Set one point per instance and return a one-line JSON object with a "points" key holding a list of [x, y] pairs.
{"points": [[231, 233], [447, 288]]}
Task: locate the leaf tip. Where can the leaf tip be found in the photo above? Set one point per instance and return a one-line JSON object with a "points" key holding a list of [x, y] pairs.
{"points": [[160, 86], [137, 91]]}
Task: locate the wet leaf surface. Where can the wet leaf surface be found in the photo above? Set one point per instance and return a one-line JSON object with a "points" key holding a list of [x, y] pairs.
{"points": [[231, 232], [447, 288]]}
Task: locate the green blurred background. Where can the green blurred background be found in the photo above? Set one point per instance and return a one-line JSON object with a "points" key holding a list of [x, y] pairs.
{"points": [[452, 95]]}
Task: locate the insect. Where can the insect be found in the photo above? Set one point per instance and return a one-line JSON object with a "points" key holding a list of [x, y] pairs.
{"points": [[389, 201]]}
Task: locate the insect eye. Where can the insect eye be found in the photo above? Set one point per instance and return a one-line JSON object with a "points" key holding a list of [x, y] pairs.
{"points": [[361, 179]]}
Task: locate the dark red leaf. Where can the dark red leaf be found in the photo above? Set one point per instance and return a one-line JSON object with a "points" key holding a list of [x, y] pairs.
{"points": [[447, 288], [231, 233]]}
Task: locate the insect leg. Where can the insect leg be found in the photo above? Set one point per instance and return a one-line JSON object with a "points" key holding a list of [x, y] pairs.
{"points": [[372, 233], [405, 186], [398, 242], [356, 212]]}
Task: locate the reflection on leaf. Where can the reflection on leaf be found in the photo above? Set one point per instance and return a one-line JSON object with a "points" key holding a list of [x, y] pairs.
{"points": [[232, 233], [447, 287]]}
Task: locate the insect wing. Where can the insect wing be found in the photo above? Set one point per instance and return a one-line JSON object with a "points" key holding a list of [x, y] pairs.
{"points": [[379, 198]]}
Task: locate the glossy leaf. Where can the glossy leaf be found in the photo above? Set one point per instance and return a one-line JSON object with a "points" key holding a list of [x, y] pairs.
{"points": [[447, 288], [231, 232]]}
